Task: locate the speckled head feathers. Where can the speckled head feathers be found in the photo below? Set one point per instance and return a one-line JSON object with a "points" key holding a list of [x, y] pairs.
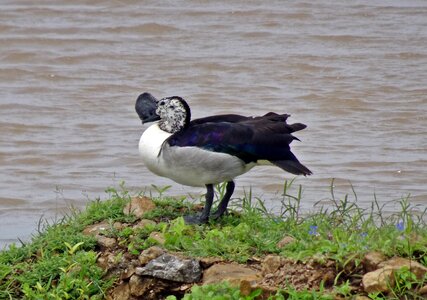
{"points": [[174, 114]]}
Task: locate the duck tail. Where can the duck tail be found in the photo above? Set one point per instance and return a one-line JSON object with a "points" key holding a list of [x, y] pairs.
{"points": [[292, 166], [297, 126]]}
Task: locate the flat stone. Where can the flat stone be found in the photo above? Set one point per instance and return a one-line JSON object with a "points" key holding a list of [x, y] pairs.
{"points": [[109, 261], [127, 273], [172, 268], [143, 223], [158, 237], [119, 225], [423, 290], [246, 288], [380, 280], [97, 228], [138, 206], [399, 262], [102, 261], [105, 242], [120, 292], [149, 288], [372, 259], [272, 263], [206, 262], [231, 272], [137, 286], [150, 254]]}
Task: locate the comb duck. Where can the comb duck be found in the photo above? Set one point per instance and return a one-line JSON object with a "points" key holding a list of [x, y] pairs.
{"points": [[212, 150]]}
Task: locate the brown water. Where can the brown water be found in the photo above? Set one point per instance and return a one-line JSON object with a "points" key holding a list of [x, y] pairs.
{"points": [[70, 72]]}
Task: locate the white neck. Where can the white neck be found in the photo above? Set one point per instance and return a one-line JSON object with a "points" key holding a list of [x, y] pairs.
{"points": [[150, 144]]}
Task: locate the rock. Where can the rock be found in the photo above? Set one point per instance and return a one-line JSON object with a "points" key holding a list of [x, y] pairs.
{"points": [[285, 241], [138, 206], [143, 223], [102, 261], [117, 264], [423, 290], [206, 262], [120, 292], [371, 260], [300, 275], [158, 237], [150, 254], [171, 267], [231, 272], [399, 262], [246, 288], [380, 280], [119, 225], [149, 288], [182, 288], [272, 263], [137, 285], [128, 268], [106, 262], [105, 242], [97, 228]]}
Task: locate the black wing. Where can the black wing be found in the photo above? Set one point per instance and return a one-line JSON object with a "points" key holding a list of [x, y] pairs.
{"points": [[251, 139]]}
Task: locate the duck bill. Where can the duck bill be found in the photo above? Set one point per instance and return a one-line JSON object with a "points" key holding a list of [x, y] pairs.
{"points": [[145, 107]]}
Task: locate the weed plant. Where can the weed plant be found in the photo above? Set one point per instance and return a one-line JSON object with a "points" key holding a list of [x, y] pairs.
{"points": [[224, 291], [60, 262]]}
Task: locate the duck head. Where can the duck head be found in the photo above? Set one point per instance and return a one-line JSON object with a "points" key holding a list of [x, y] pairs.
{"points": [[174, 113], [145, 107]]}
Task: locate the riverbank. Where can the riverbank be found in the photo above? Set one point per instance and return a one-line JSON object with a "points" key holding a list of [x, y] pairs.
{"points": [[138, 247]]}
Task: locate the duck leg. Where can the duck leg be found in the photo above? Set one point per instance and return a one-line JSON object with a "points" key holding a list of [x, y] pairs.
{"points": [[222, 206], [204, 216]]}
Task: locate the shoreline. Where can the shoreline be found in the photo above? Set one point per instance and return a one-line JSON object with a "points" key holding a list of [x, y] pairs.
{"points": [[105, 251]]}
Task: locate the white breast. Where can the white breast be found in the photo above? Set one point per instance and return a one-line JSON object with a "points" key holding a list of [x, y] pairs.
{"points": [[187, 165], [197, 167]]}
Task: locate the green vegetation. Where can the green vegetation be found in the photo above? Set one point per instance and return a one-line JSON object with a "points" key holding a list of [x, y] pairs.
{"points": [[60, 261], [224, 291], [221, 291]]}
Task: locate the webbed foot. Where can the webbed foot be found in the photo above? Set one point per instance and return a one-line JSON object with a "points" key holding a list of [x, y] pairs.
{"points": [[196, 219], [218, 214]]}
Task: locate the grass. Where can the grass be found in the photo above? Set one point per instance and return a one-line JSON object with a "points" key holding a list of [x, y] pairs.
{"points": [[224, 291], [60, 261]]}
